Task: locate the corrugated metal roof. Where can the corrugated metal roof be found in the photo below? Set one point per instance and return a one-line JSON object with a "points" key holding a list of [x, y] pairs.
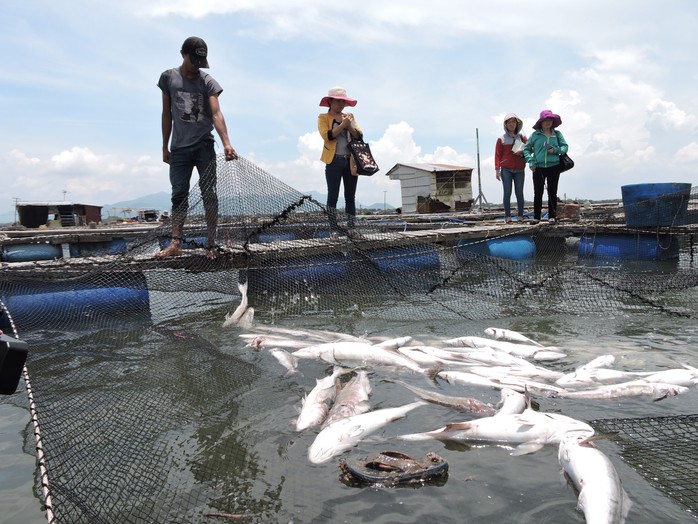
{"points": [[53, 203], [428, 167]]}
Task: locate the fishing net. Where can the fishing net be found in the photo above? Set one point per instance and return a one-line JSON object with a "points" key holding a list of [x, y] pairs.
{"points": [[661, 449], [146, 408]]}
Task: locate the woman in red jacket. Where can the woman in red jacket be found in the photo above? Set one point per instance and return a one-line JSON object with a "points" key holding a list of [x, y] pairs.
{"points": [[510, 165]]}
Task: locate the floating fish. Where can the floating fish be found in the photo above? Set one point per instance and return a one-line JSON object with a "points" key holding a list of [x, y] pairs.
{"points": [[286, 360], [461, 404], [633, 388], [351, 400], [394, 343], [347, 432], [235, 317], [601, 495], [530, 430], [356, 354], [512, 402], [316, 404], [520, 350], [507, 334]]}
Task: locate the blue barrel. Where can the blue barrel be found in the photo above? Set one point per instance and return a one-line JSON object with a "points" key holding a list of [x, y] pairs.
{"points": [[405, 260], [32, 303], [655, 205], [266, 238], [31, 252], [313, 272], [629, 247], [98, 249], [514, 247]]}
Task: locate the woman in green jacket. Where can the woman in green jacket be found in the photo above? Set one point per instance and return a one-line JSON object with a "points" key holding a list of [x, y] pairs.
{"points": [[542, 153]]}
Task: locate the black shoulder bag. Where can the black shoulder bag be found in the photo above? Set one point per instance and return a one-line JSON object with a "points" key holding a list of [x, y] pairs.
{"points": [[566, 163], [363, 158]]}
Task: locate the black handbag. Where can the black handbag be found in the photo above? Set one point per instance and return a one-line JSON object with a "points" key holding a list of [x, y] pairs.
{"points": [[566, 163], [363, 158]]}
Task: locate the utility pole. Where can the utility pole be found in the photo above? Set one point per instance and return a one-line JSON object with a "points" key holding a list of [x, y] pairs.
{"points": [[16, 199], [384, 197], [480, 195]]}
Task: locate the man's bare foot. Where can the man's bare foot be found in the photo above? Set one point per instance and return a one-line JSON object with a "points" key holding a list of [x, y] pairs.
{"points": [[212, 253], [173, 250]]}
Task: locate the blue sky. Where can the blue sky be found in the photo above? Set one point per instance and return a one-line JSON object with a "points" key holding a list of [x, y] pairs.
{"points": [[81, 110]]}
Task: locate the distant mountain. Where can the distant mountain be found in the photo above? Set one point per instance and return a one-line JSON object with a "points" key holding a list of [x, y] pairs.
{"points": [[161, 201], [158, 201]]}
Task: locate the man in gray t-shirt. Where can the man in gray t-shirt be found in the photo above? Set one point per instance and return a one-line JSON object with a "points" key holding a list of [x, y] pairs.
{"points": [[190, 112]]}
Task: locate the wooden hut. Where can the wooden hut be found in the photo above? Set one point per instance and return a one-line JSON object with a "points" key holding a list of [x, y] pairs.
{"points": [[433, 188], [57, 214]]}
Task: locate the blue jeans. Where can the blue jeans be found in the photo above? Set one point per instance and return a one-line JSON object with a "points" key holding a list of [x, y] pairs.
{"points": [[509, 176], [182, 163], [336, 173]]}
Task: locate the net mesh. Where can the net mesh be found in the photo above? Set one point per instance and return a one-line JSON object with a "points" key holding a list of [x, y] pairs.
{"points": [[150, 414], [659, 448]]}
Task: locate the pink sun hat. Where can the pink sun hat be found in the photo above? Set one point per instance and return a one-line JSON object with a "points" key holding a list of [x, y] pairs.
{"points": [[340, 94], [547, 113]]}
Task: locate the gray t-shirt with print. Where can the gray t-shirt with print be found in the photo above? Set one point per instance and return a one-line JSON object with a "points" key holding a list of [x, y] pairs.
{"points": [[191, 111]]}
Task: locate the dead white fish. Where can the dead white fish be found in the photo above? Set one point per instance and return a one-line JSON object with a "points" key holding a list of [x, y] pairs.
{"points": [[347, 432], [508, 334], [287, 360], [394, 343], [511, 402], [633, 388], [467, 378], [264, 341], [247, 319], [530, 372], [422, 357], [235, 317], [601, 494], [602, 361], [596, 376], [530, 430], [488, 355], [316, 405], [351, 400], [463, 378], [309, 336], [687, 377], [520, 350], [355, 354], [461, 404]]}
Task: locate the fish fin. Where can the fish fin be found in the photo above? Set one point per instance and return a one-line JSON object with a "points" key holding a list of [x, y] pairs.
{"points": [[432, 373], [525, 448], [456, 426]]}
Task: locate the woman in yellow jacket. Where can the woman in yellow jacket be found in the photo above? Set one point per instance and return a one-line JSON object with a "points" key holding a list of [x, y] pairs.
{"points": [[337, 129]]}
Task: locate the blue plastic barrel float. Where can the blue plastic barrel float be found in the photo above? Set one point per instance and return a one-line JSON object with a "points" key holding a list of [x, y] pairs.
{"points": [[655, 205], [276, 236], [298, 273], [514, 247], [42, 303], [31, 252], [115, 246], [417, 267], [629, 247]]}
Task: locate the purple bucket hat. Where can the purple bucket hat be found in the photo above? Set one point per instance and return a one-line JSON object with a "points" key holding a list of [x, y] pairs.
{"points": [[547, 113]]}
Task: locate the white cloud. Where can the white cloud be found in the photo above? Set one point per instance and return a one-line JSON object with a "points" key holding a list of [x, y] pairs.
{"points": [[670, 116], [688, 154]]}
